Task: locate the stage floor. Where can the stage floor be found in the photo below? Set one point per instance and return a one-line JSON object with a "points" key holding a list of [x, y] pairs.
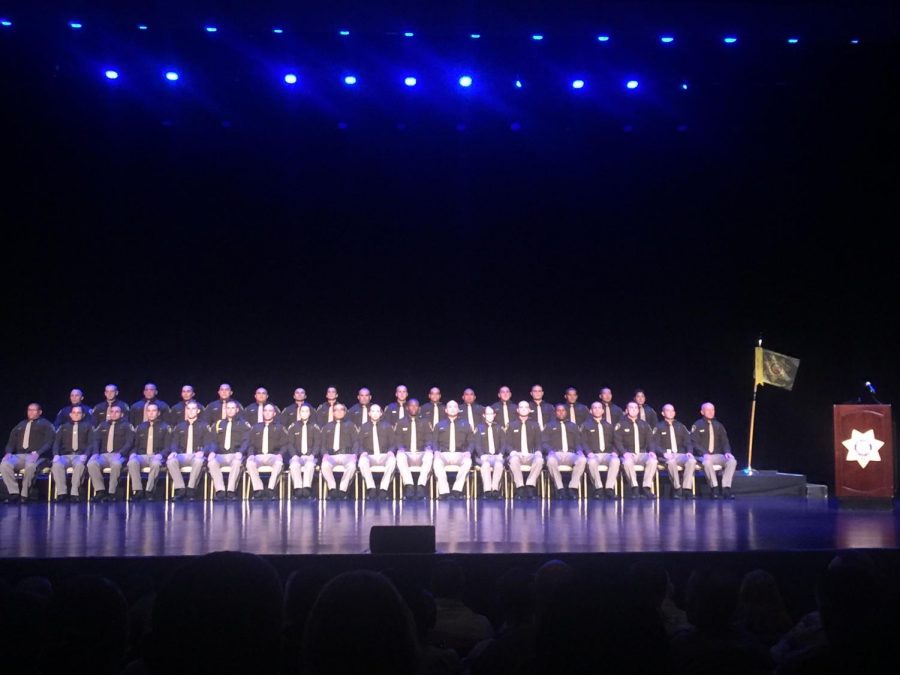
{"points": [[40, 530]]}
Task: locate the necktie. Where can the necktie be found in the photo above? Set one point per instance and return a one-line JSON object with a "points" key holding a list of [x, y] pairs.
{"points": [[572, 413], [265, 440], [637, 439], [228, 436], [505, 415], [150, 439], [190, 438], [434, 420], [223, 410], [565, 437], [608, 415], [400, 411], [331, 412], [540, 417], [523, 438], [376, 446], [490, 434], [298, 414], [336, 446], [601, 437], [145, 411], [452, 436], [304, 443], [642, 414], [26, 438], [75, 436], [365, 415], [712, 439], [412, 437], [673, 446], [469, 415], [111, 437]]}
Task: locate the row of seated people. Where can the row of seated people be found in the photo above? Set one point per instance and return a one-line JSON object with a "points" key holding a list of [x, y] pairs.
{"points": [[412, 442]]}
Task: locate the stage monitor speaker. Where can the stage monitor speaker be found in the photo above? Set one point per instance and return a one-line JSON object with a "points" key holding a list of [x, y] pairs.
{"points": [[394, 539]]}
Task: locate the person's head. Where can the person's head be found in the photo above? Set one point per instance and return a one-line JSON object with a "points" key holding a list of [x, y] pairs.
{"points": [[353, 604], [434, 395], [187, 393], [632, 410], [552, 578], [708, 411], [191, 411], [364, 396], [504, 393], [331, 394], [33, 411], [225, 391], [711, 598], [640, 397], [668, 412], [268, 412], [760, 603], [401, 393], [571, 395], [375, 413], [299, 395], [110, 393], [76, 396], [152, 411], [537, 393], [448, 580], [339, 411], [560, 411], [606, 395], [150, 391], [412, 407], [489, 414], [114, 413], [452, 409], [231, 409], [76, 414], [468, 396], [648, 583], [305, 413], [523, 410], [596, 410], [261, 395]]}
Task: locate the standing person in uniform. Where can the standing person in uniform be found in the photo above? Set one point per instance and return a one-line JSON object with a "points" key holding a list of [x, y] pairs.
{"points": [[576, 412], [562, 447], [216, 410], [709, 437], [151, 446], [138, 412], [597, 442], [471, 411], [412, 438], [504, 407], [304, 446], [30, 443], [110, 398], [112, 444], [433, 411], [266, 445], [187, 447], [672, 442], [523, 446], [452, 445], [373, 448], [338, 442], [291, 413], [253, 413], [76, 397], [631, 437], [489, 444], [397, 410], [70, 451], [541, 411], [359, 413], [645, 412], [178, 412], [226, 448], [325, 411], [611, 412]]}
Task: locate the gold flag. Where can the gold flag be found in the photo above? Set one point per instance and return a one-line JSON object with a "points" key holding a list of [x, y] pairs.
{"points": [[775, 369]]}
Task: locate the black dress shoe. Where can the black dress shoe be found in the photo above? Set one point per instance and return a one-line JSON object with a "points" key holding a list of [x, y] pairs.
{"points": [[458, 495], [445, 497], [99, 496], [371, 493], [727, 494], [647, 493], [308, 493], [272, 495], [62, 499], [112, 497], [714, 493], [635, 492], [573, 494], [259, 494], [519, 493], [150, 496], [344, 494], [676, 493], [297, 493], [383, 495], [597, 493], [687, 494], [332, 494], [220, 496], [179, 494], [190, 494], [138, 496], [610, 493], [531, 491], [409, 491], [231, 496]]}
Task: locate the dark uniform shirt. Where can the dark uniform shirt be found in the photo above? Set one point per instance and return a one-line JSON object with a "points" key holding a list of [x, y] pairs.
{"points": [[506, 412], [355, 414], [176, 413], [612, 413], [663, 434], [547, 413], [591, 433], [98, 414], [253, 412], [392, 412], [122, 434], [514, 436], [403, 434], [40, 438], [440, 439], [484, 432], [63, 415], [215, 411], [650, 415], [577, 410], [313, 438], [278, 440], [624, 440], [160, 444], [553, 435], [700, 432], [179, 437], [427, 413], [322, 413], [219, 431], [290, 415], [472, 413], [346, 437], [365, 439], [62, 444], [136, 414]]}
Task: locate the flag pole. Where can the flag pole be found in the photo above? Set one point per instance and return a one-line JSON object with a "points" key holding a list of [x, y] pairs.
{"points": [[749, 470]]}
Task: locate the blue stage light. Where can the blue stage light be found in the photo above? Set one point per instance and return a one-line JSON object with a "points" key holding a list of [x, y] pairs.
{"points": [[344, 33], [75, 25], [172, 76], [142, 26], [684, 86], [666, 39], [730, 40], [211, 29], [854, 41], [6, 23], [408, 34], [465, 81], [475, 36], [603, 38], [410, 81], [632, 84], [278, 31], [290, 78], [518, 84], [577, 84], [537, 37], [793, 41], [111, 75], [350, 80]]}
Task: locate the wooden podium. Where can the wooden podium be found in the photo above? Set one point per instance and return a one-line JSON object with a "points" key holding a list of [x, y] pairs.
{"points": [[863, 452]]}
